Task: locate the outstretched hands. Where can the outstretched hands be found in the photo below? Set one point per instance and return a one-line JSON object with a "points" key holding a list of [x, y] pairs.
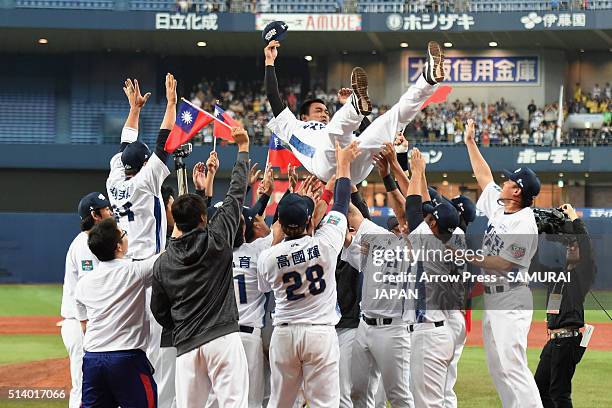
{"points": [[171, 89], [132, 91], [344, 94]]}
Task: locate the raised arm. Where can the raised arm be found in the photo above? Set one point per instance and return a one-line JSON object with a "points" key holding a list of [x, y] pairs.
{"points": [[271, 83], [344, 157], [414, 212], [481, 169], [169, 119], [390, 154], [265, 190], [212, 165]]}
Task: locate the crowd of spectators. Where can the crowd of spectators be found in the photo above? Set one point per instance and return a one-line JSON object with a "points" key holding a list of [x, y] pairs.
{"points": [[497, 124], [352, 6]]}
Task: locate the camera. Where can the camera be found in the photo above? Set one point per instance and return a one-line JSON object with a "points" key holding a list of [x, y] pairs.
{"points": [[183, 151], [554, 223]]}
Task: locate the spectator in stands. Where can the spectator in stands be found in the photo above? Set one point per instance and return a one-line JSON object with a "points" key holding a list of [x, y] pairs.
{"points": [[184, 6], [537, 136], [531, 108], [608, 91], [577, 92], [596, 92], [524, 137]]}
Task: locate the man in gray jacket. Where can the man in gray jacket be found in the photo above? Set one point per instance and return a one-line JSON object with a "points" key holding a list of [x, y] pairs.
{"points": [[193, 295]]}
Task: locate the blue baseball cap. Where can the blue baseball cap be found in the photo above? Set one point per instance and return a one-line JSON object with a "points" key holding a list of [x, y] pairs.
{"points": [[527, 180], [91, 202], [434, 195], [294, 210], [276, 30], [445, 214], [466, 207], [135, 155]]}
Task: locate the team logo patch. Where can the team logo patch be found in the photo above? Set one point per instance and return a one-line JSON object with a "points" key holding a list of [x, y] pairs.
{"points": [[87, 265], [517, 251], [333, 220]]}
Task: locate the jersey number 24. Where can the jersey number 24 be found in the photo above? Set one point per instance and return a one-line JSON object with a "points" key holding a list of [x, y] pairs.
{"points": [[314, 275]]}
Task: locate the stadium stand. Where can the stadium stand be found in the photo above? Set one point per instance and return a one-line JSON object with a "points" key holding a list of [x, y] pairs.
{"points": [[27, 117], [91, 4]]}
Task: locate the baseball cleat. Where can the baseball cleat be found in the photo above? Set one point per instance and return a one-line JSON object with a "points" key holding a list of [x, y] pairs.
{"points": [[360, 99], [434, 68]]}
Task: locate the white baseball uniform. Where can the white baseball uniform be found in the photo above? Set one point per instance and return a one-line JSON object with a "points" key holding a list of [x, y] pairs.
{"points": [[432, 341], [313, 143], [251, 312], [139, 208], [380, 351], [508, 306], [456, 324], [79, 261], [304, 347]]}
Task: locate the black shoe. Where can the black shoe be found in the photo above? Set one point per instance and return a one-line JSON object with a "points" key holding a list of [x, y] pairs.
{"points": [[434, 68], [360, 99]]}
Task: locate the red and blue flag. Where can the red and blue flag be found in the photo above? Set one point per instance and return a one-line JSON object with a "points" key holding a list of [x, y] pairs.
{"points": [[189, 121], [220, 130], [279, 156]]}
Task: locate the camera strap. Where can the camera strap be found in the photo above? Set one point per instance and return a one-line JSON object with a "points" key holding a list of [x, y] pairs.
{"points": [[554, 299]]}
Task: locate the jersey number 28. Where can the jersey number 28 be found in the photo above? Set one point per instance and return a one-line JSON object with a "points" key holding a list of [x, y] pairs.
{"points": [[314, 274]]}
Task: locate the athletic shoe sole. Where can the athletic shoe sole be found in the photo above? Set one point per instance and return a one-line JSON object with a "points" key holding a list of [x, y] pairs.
{"points": [[436, 61], [359, 83]]}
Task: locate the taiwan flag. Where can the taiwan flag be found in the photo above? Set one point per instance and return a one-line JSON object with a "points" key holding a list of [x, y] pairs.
{"points": [[278, 156], [220, 130], [189, 121]]}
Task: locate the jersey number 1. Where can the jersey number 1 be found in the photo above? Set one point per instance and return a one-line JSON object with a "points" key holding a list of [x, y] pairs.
{"points": [[314, 274]]}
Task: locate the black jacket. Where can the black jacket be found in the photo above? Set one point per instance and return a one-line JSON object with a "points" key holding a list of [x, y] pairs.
{"points": [[193, 290]]}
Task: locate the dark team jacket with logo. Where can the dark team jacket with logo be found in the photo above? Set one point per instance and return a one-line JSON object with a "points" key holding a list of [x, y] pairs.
{"points": [[193, 289]]}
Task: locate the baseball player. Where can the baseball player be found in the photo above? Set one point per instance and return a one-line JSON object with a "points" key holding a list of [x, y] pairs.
{"points": [[456, 318], [301, 272], [93, 208], [134, 188], [509, 243], [381, 348], [431, 337], [312, 137], [110, 303]]}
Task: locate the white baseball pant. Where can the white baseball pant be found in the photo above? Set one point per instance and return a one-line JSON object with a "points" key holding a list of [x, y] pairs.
{"points": [[253, 350], [220, 366], [72, 336], [431, 354], [456, 324], [505, 325], [165, 378], [346, 338], [382, 352], [308, 354]]}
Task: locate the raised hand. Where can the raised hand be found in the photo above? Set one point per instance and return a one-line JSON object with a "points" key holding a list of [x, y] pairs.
{"points": [[382, 164], [267, 184], [329, 186], [271, 52], [253, 174], [569, 211], [417, 161], [212, 164], [240, 136], [347, 154], [469, 132], [292, 176], [388, 151], [171, 89], [199, 176], [132, 91], [344, 94]]}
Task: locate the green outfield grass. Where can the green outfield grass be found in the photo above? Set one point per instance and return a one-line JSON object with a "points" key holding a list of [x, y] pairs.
{"points": [[20, 348], [475, 388], [30, 300]]}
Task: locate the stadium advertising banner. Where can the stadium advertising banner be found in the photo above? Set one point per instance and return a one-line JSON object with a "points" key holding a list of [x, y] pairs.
{"points": [[479, 22], [189, 21], [507, 70], [312, 22]]}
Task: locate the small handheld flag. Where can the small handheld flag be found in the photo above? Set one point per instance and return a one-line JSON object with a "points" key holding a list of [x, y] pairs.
{"points": [[440, 95], [189, 121], [279, 156], [224, 124]]}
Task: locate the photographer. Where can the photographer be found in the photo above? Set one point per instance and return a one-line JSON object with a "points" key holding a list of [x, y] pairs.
{"points": [[565, 316]]}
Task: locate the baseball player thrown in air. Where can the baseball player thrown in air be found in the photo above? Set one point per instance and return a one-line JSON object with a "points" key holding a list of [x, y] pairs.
{"points": [[111, 306], [509, 243], [301, 272], [433, 228], [134, 189], [312, 137], [193, 295], [93, 208]]}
